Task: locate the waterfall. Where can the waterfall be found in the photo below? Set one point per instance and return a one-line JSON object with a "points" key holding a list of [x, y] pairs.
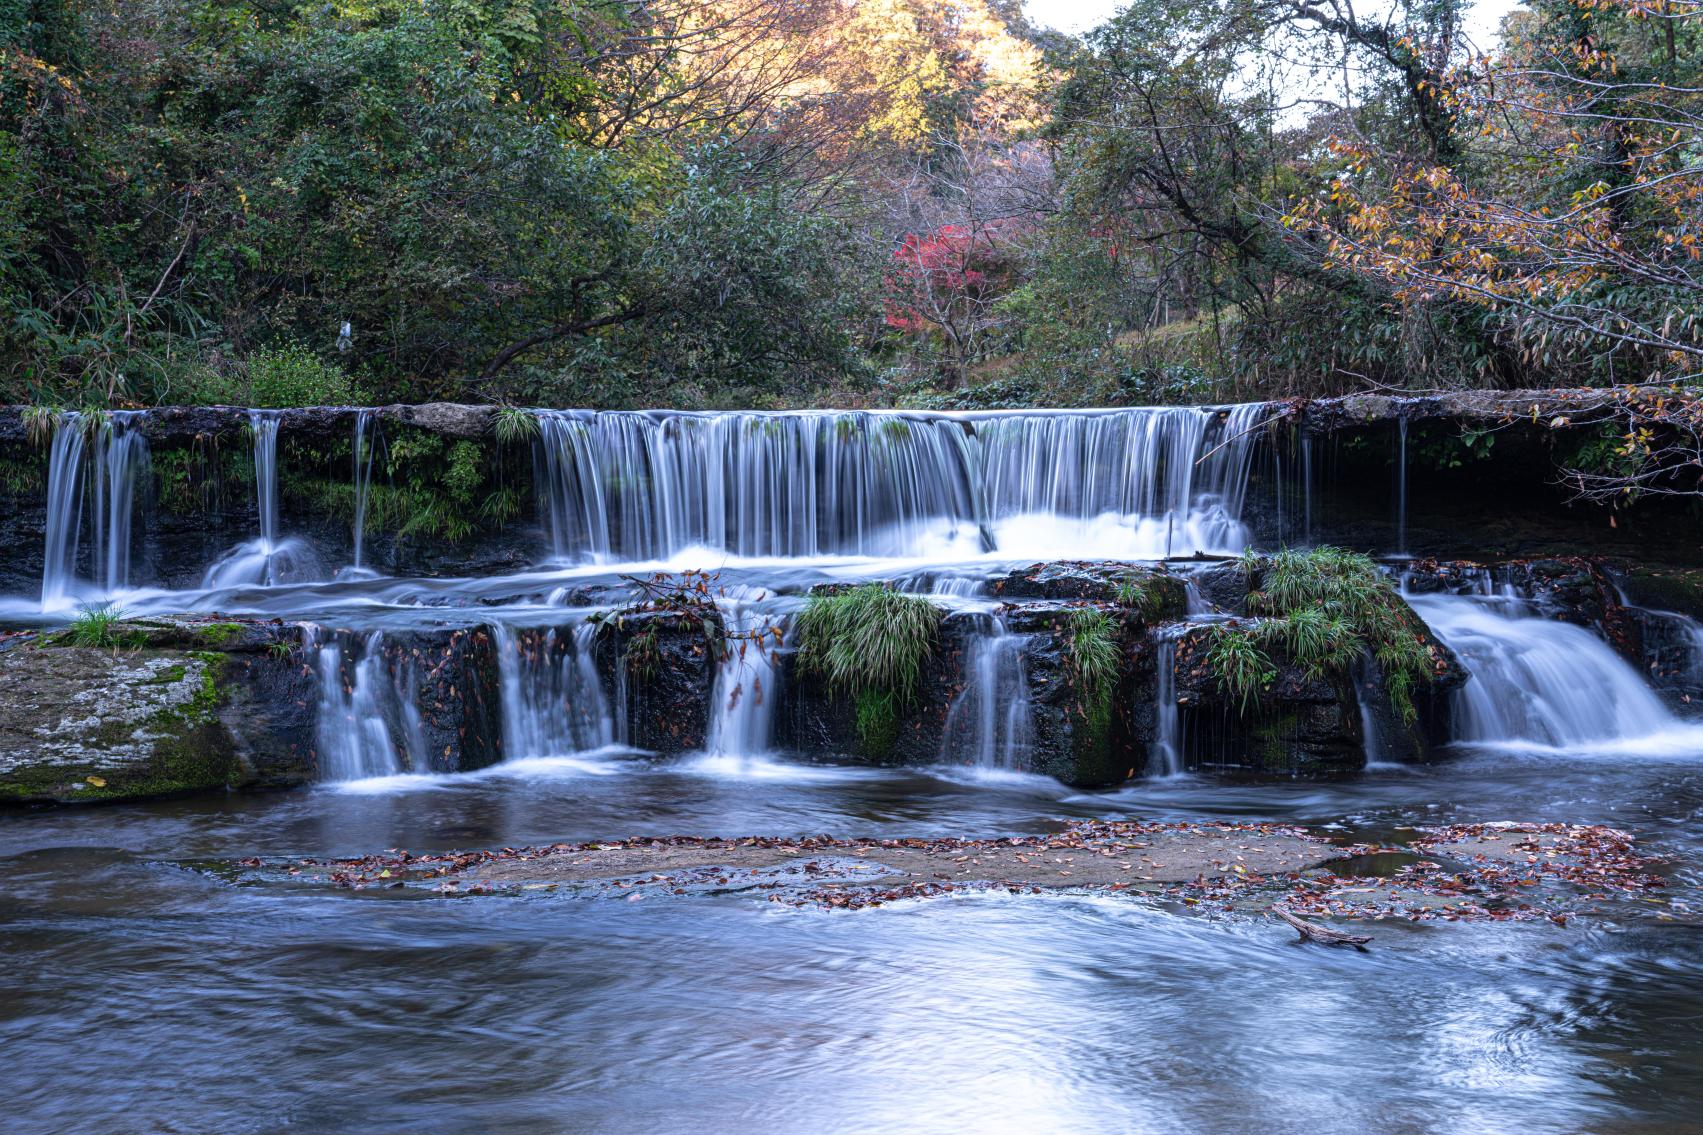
{"points": [[121, 456], [264, 423], [64, 509], [267, 560], [1116, 483], [1367, 689], [368, 723], [742, 708], [1401, 486], [553, 700], [989, 724], [363, 473], [120, 461], [1540, 683], [1306, 488], [1165, 757]]}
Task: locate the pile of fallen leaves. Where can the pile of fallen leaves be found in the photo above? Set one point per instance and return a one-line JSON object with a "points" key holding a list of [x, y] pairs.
{"points": [[1543, 871]]}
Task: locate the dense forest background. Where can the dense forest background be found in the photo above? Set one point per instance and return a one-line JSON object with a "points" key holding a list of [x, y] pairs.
{"points": [[852, 202]]}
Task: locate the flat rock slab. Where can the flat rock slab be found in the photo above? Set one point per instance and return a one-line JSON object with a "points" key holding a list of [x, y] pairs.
{"points": [[1496, 872], [82, 722], [1482, 872], [1083, 855]]}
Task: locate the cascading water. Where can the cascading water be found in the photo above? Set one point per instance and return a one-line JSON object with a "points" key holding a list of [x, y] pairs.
{"points": [[1165, 756], [742, 708], [265, 426], [1539, 683], [1306, 488], [1136, 483], [1401, 487], [367, 726], [365, 445], [121, 456], [990, 722], [553, 701], [265, 561], [120, 464], [64, 509]]}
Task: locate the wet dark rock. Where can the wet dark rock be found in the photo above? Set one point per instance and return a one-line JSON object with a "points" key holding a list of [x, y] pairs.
{"points": [[662, 667], [1301, 724], [1071, 743], [1223, 584], [450, 675], [1163, 594], [815, 723]]}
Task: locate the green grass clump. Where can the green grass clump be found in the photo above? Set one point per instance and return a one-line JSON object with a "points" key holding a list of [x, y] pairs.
{"points": [[1094, 663], [513, 425], [1322, 608], [870, 644], [1243, 668], [97, 626]]}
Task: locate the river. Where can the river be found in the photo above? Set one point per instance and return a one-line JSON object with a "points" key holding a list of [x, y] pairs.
{"points": [[149, 995]]}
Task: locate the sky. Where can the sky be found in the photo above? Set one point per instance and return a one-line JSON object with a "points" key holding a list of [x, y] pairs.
{"points": [[1080, 15]]}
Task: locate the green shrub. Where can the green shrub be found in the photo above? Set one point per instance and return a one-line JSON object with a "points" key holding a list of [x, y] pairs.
{"points": [[283, 377]]}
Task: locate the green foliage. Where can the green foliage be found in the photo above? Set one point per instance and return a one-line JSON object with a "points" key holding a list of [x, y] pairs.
{"points": [[21, 477], [643, 654], [1242, 667], [1094, 659], [869, 643], [514, 426], [293, 376], [1143, 596], [96, 625], [193, 209], [39, 423], [1604, 452], [1322, 609]]}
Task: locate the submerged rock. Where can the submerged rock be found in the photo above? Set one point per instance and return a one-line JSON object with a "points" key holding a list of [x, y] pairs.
{"points": [[1160, 594]]}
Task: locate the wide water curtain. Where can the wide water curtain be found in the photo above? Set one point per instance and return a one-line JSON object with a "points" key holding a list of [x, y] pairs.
{"points": [[1129, 483]]}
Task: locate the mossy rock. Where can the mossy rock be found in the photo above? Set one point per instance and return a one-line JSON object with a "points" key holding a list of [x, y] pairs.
{"points": [[88, 725]]}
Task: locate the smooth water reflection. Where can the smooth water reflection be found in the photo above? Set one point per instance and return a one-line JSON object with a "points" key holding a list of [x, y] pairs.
{"points": [[144, 996]]}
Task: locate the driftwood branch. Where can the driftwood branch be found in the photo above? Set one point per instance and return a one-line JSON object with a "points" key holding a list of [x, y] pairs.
{"points": [[1320, 934]]}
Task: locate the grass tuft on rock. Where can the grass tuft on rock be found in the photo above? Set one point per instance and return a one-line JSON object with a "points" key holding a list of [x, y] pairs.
{"points": [[96, 625], [870, 643], [1323, 609], [1094, 663]]}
